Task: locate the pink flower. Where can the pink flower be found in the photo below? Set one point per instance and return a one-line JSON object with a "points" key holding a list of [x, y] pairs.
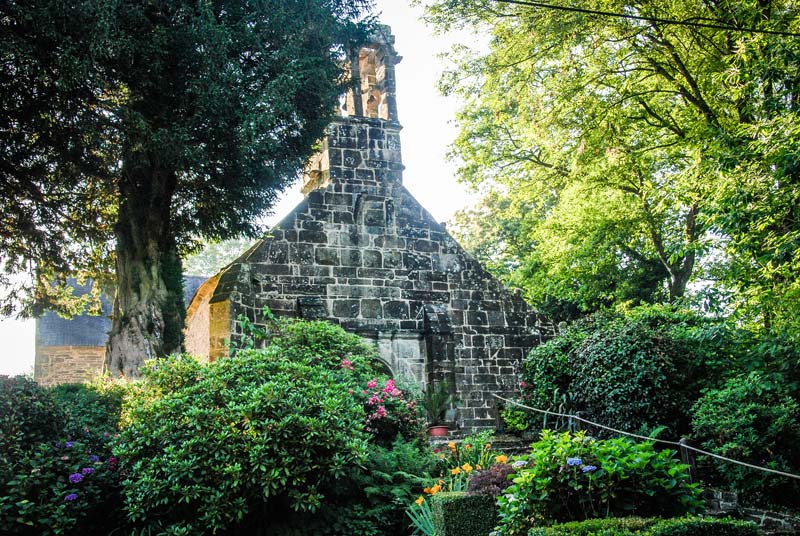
{"points": [[382, 412], [389, 387], [396, 392], [347, 364], [374, 399], [372, 384], [522, 384]]}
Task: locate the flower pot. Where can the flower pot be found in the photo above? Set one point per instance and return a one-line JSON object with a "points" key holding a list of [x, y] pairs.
{"points": [[438, 431]]}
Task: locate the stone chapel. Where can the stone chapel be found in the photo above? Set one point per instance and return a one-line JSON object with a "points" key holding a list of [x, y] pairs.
{"points": [[360, 251]]}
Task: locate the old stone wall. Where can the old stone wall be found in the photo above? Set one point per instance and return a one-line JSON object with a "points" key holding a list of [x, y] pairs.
{"points": [[362, 252], [68, 364]]}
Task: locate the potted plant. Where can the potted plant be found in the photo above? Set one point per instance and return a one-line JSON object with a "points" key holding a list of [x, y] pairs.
{"points": [[436, 401]]}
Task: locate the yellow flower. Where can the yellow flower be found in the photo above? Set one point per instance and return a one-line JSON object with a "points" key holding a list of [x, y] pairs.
{"points": [[466, 467], [441, 482], [452, 445], [436, 489], [441, 456], [501, 459], [455, 471], [487, 446], [420, 500]]}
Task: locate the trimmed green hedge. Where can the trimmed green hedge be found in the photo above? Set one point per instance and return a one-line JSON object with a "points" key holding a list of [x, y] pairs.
{"points": [[636, 526], [458, 514]]}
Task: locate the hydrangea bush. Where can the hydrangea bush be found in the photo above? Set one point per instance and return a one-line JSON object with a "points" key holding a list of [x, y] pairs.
{"points": [[572, 477]]}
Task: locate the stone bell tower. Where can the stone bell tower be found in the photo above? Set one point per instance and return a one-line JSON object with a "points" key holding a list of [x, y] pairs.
{"points": [[363, 142]]}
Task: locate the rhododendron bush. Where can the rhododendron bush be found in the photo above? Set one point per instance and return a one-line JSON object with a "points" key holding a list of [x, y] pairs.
{"points": [[267, 437]]}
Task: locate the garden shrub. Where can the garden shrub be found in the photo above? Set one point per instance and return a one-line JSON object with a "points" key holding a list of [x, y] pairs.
{"points": [[634, 526], [492, 481], [570, 477], [460, 514], [62, 488], [370, 500], [639, 371], [90, 408], [55, 473], [391, 409], [28, 415], [752, 418], [235, 443]]}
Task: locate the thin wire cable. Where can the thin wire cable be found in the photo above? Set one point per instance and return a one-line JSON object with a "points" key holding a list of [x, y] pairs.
{"points": [[648, 19], [664, 441]]}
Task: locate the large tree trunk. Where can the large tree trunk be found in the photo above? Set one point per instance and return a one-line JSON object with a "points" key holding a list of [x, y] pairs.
{"points": [[148, 307]]}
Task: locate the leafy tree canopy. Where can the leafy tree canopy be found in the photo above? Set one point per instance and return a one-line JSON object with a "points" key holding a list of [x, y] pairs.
{"points": [[142, 127], [623, 145]]}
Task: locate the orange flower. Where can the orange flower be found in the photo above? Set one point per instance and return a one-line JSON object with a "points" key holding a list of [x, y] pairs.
{"points": [[455, 471], [466, 467], [436, 489], [420, 500], [427, 490], [478, 466], [487, 446], [467, 446], [501, 459], [452, 445]]}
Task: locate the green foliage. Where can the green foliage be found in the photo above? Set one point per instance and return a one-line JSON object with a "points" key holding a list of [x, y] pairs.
{"points": [[630, 526], [60, 489], [623, 157], [637, 371], [571, 477], [28, 415], [92, 408], [459, 514], [752, 418], [391, 407], [421, 515], [436, 402], [44, 440], [210, 447]]}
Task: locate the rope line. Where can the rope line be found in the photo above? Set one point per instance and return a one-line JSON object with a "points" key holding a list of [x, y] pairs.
{"points": [[664, 441], [659, 20]]}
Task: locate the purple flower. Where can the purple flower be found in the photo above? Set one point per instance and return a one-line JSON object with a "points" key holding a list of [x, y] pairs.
{"points": [[588, 468], [94, 458], [574, 461], [87, 470], [75, 478], [68, 444], [71, 497]]}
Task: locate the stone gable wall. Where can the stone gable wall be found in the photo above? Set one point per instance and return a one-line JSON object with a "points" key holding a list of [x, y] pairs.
{"points": [[362, 252]]}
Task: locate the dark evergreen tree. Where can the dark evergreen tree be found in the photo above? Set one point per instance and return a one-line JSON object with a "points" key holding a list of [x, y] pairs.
{"points": [[146, 126]]}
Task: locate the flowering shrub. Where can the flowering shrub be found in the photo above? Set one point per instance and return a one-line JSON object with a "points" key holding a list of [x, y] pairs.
{"points": [[389, 412], [58, 488], [53, 475], [455, 465], [572, 477], [390, 409]]}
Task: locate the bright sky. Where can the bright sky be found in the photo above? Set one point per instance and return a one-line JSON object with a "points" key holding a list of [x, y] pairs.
{"points": [[428, 129]]}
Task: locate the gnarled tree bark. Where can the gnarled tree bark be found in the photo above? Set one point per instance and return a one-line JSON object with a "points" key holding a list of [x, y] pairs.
{"points": [[148, 310]]}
